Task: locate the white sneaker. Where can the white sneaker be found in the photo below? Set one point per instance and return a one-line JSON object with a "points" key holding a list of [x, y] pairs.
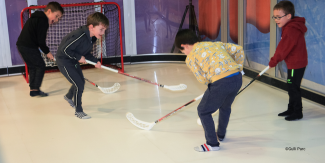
{"points": [[206, 148]]}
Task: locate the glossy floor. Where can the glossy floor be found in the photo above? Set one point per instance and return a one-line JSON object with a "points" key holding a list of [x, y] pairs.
{"points": [[45, 130]]}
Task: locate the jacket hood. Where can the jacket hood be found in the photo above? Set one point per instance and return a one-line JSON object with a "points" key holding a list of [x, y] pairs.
{"points": [[39, 14], [297, 23]]}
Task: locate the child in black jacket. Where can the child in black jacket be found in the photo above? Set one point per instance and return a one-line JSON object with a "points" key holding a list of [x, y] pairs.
{"points": [[74, 49], [32, 37]]}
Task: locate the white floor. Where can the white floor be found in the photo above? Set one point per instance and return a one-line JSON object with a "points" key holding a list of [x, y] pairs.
{"points": [[44, 130]]}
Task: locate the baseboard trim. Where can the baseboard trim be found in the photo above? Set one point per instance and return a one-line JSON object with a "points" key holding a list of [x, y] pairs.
{"points": [[305, 93]]}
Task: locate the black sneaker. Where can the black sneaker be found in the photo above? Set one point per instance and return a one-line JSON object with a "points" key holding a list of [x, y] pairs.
{"points": [[286, 113], [38, 93], [294, 117], [220, 138]]}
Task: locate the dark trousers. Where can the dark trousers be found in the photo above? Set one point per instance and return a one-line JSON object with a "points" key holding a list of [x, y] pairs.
{"points": [[35, 64], [293, 84], [74, 75], [219, 95]]}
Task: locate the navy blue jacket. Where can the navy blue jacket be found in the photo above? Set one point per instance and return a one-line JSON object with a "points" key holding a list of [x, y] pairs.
{"points": [[74, 45]]}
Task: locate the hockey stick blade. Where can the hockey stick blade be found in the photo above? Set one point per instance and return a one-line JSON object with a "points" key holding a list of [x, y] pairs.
{"points": [[179, 87], [111, 89], [140, 124]]}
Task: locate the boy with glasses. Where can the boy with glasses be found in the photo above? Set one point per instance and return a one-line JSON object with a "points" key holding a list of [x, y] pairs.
{"points": [[292, 49]]}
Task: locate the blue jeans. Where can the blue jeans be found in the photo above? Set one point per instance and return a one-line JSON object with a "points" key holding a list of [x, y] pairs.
{"points": [[219, 95]]}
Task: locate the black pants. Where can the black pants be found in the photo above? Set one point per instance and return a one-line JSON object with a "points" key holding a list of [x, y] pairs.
{"points": [[293, 83], [35, 64], [74, 75]]}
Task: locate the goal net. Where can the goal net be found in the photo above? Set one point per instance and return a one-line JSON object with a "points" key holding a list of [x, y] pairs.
{"points": [[108, 49]]}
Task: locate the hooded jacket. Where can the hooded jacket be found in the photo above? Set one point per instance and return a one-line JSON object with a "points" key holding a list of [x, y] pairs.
{"points": [[74, 45], [34, 32], [292, 47]]}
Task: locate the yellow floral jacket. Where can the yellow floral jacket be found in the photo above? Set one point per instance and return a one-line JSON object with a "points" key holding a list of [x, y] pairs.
{"points": [[211, 61]]}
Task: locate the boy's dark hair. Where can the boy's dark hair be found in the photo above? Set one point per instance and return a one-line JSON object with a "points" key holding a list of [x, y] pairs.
{"points": [[54, 6], [286, 6], [185, 36], [97, 18]]}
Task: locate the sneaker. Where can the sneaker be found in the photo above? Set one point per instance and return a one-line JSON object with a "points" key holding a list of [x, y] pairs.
{"points": [[69, 101], [206, 148], [293, 117], [38, 93], [220, 138], [286, 113], [82, 115]]}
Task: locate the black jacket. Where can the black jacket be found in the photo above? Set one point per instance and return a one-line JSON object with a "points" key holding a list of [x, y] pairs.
{"points": [[34, 32], [74, 45]]}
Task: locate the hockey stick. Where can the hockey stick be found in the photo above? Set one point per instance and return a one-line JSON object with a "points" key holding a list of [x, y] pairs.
{"points": [[111, 89], [146, 125], [260, 74], [179, 87]]}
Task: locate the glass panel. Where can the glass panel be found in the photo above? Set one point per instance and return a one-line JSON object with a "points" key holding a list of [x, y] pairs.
{"points": [[281, 68], [257, 33], [157, 22], [313, 11]]}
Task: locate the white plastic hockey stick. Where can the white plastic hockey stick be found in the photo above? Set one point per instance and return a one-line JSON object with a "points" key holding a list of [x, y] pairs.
{"points": [[146, 125], [260, 74], [108, 90], [179, 87]]}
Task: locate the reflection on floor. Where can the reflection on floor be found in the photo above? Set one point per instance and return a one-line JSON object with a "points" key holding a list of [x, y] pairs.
{"points": [[44, 130]]}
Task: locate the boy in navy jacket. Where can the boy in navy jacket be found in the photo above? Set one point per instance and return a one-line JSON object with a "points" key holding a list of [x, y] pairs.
{"points": [[74, 49]]}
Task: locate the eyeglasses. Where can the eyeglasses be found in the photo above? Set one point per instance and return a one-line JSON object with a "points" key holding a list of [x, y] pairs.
{"points": [[279, 17]]}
